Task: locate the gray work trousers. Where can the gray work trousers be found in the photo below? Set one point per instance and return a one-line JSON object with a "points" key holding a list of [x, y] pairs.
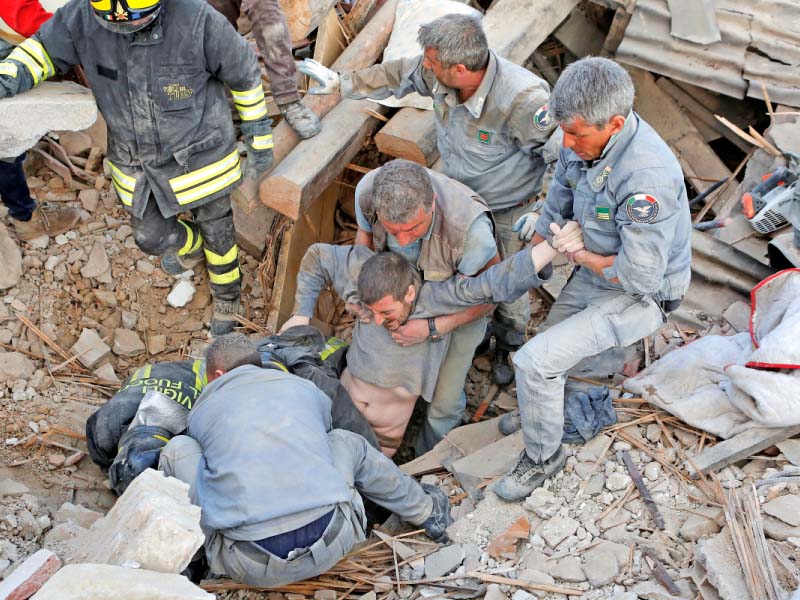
{"points": [[510, 320], [274, 43], [449, 400], [367, 472], [583, 322]]}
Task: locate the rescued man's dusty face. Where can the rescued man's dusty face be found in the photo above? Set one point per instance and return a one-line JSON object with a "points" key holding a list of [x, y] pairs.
{"points": [[393, 313], [587, 140]]}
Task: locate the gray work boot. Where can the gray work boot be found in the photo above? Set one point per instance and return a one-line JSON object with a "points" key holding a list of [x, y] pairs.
{"points": [[502, 373], [510, 422], [47, 219], [302, 119], [224, 319], [528, 475], [172, 264], [436, 525]]}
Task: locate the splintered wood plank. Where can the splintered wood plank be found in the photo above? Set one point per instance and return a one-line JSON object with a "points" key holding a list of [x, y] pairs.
{"points": [[741, 446]]}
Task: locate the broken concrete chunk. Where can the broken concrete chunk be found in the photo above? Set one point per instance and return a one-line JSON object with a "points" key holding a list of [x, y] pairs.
{"points": [[791, 451], [90, 348], [444, 561], [152, 524], [652, 590], [106, 582], [718, 557], [568, 568], [738, 315], [10, 260], [700, 525], [557, 529], [181, 294], [493, 592], [49, 106], [30, 576], [601, 569], [75, 143], [127, 343], [12, 487], [79, 515], [89, 199], [156, 344], [14, 365], [786, 508], [106, 372]]}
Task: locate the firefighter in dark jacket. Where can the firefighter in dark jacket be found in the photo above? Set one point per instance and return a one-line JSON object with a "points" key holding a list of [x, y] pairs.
{"points": [[158, 69]]}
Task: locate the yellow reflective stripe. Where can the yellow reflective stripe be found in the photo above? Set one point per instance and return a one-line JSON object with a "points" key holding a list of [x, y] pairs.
{"points": [[34, 69], [124, 195], [205, 173], [224, 278], [253, 113], [35, 49], [248, 96], [279, 365], [161, 438], [332, 344], [146, 372], [125, 181], [212, 186], [8, 68], [142, 4], [193, 241], [262, 142], [199, 375], [217, 260], [135, 376]]}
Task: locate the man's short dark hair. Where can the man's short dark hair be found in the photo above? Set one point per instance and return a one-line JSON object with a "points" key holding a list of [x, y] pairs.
{"points": [[230, 351], [386, 274], [400, 189]]}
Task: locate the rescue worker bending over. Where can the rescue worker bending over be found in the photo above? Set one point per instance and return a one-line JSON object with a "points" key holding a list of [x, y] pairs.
{"points": [[158, 69], [383, 378], [284, 502], [619, 180]]}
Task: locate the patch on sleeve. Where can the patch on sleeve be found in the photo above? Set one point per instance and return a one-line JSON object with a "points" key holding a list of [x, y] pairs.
{"points": [[542, 119], [642, 208]]}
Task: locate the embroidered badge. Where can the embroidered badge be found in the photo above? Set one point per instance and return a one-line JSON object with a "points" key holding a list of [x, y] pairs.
{"points": [[484, 137], [177, 91], [601, 178], [542, 119], [603, 213], [119, 13], [641, 208]]}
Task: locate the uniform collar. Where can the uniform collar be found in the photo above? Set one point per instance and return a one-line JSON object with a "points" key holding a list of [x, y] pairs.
{"points": [[476, 102], [597, 173]]}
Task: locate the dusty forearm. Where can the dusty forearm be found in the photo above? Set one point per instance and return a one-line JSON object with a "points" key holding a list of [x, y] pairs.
{"points": [[447, 323], [595, 262]]}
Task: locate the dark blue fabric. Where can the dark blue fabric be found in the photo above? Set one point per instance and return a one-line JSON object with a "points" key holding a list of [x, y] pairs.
{"points": [[282, 544], [14, 190], [586, 413]]}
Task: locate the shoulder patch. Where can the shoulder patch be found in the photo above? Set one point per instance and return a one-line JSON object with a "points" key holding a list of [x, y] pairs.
{"points": [[642, 208], [542, 119]]}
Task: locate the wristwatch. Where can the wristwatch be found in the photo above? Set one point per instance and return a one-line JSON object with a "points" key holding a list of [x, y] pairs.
{"points": [[433, 335]]}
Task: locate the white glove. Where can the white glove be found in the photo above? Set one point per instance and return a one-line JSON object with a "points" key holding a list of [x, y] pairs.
{"points": [[525, 226], [294, 321], [568, 238], [328, 80]]}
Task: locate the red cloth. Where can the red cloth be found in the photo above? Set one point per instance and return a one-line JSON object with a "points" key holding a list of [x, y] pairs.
{"points": [[23, 16]]}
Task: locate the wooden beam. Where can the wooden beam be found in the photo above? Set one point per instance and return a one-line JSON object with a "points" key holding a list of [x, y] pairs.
{"points": [[330, 39], [314, 163], [616, 32], [514, 29], [304, 16], [402, 138], [358, 15], [741, 446]]}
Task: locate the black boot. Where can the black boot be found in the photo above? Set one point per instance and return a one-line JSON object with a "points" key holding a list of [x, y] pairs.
{"points": [[436, 525], [502, 373]]}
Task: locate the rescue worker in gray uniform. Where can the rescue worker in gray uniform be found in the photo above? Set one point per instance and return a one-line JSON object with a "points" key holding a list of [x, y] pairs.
{"points": [[283, 503], [443, 228], [275, 45], [619, 180], [158, 70], [492, 123]]}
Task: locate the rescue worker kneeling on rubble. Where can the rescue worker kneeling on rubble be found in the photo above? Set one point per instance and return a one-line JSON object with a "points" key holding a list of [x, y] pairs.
{"points": [[280, 490], [158, 70]]}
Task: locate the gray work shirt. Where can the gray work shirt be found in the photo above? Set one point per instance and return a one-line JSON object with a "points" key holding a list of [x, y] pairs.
{"points": [[373, 355], [494, 141], [631, 202]]}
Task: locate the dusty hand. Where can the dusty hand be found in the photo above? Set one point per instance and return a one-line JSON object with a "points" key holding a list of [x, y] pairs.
{"points": [[567, 239], [359, 311], [328, 80], [415, 331], [258, 163], [525, 226], [294, 321]]}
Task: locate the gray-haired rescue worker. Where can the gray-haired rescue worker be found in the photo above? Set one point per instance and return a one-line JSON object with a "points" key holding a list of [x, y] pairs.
{"points": [[275, 44], [492, 123], [284, 502], [383, 378], [619, 180], [158, 70]]}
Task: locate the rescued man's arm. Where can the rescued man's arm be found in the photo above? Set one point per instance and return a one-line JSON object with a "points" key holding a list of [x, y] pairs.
{"points": [[396, 78]]}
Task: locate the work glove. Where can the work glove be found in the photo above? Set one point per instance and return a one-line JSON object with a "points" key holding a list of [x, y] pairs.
{"points": [[567, 239], [525, 226], [328, 80], [259, 159]]}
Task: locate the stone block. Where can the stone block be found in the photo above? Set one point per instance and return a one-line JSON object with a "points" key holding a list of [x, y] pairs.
{"points": [[79, 515], [91, 348], [10, 259], [699, 525], [98, 265], [107, 582], [152, 524], [557, 529], [718, 557], [14, 365], [786, 508], [601, 569], [47, 107], [444, 561], [568, 568], [30, 576], [127, 343]]}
